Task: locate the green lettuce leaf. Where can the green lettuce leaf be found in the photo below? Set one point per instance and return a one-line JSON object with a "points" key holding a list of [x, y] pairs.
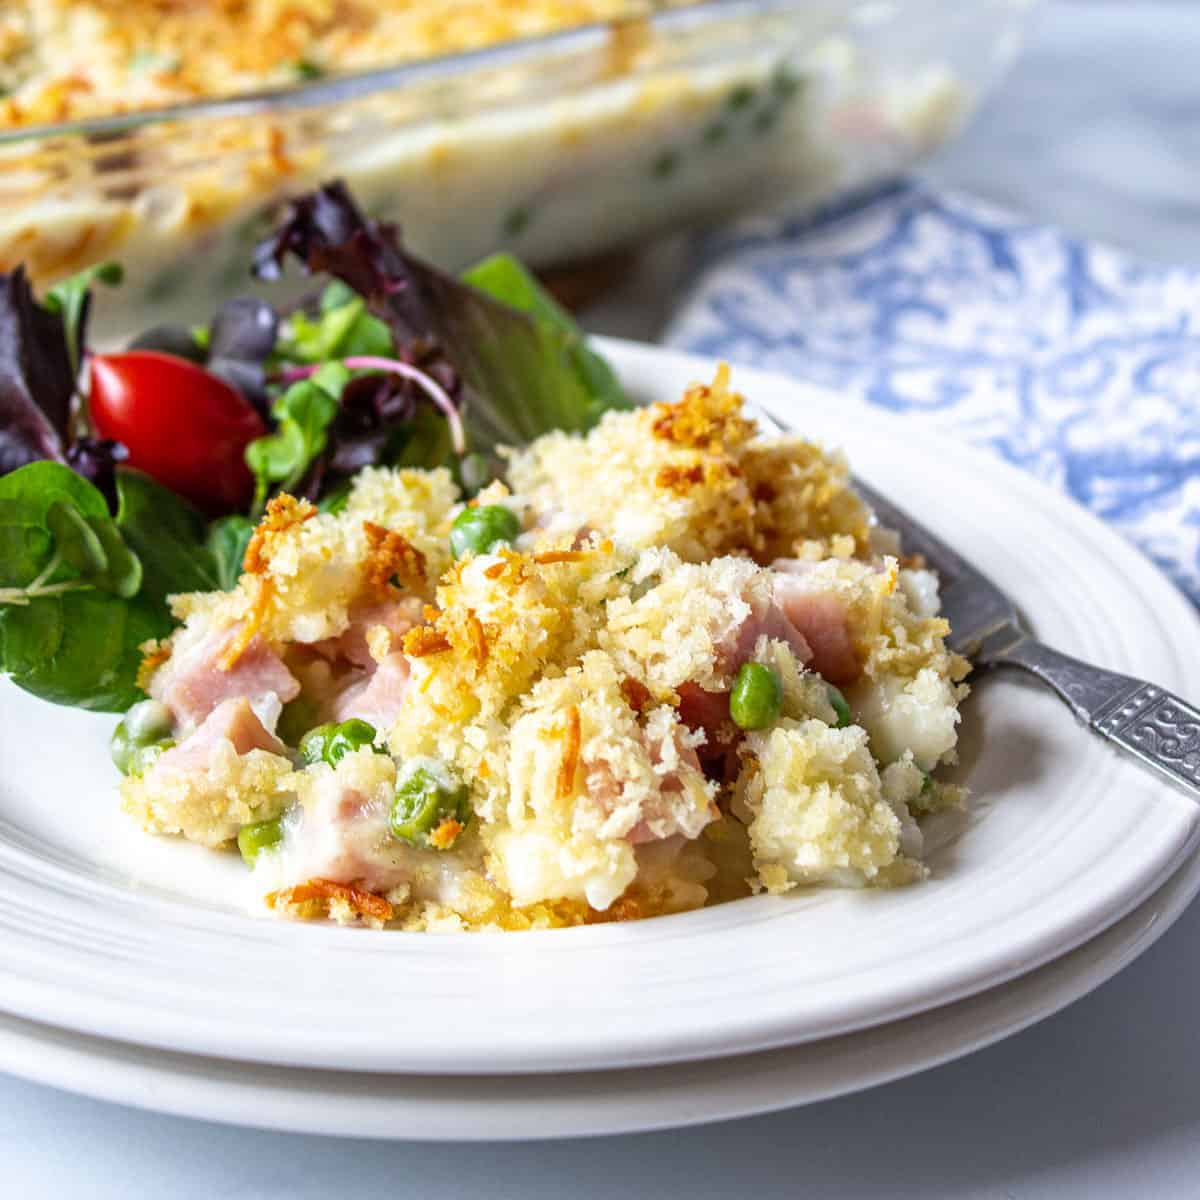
{"points": [[522, 363], [81, 591], [506, 279]]}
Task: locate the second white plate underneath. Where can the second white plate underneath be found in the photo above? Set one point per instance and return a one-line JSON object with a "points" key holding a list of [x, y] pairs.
{"points": [[462, 1108]]}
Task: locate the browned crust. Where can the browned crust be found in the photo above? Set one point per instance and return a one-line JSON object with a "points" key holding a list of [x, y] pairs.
{"points": [[283, 512], [624, 908], [424, 640], [549, 557], [390, 555], [324, 892], [250, 626], [476, 637], [708, 418], [679, 479], [572, 735]]}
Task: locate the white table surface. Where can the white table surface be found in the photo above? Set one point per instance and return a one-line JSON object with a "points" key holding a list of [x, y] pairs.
{"points": [[1098, 129]]}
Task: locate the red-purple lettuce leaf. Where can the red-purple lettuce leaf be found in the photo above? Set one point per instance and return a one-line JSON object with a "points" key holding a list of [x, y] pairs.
{"points": [[36, 381], [519, 374]]}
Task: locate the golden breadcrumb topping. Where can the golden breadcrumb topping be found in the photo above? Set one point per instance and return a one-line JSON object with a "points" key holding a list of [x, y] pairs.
{"points": [[572, 689], [67, 59], [695, 478]]}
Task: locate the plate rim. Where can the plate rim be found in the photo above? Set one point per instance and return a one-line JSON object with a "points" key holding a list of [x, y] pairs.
{"points": [[289, 1099]]}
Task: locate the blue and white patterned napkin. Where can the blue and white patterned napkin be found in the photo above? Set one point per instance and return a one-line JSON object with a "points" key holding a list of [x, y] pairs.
{"points": [[1071, 360]]}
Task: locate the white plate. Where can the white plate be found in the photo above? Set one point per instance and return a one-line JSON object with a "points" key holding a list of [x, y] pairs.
{"points": [[462, 1108], [107, 932]]}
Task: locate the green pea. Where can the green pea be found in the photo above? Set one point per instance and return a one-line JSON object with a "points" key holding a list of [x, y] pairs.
{"points": [[665, 163], [121, 748], [148, 721], [516, 221], [478, 530], [253, 839], [144, 726], [313, 743], [296, 717], [346, 737], [332, 742], [424, 799], [844, 715], [756, 698], [144, 757]]}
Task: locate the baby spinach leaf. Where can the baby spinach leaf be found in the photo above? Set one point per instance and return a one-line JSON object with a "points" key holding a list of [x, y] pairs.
{"points": [[123, 574], [71, 613], [30, 635], [36, 487], [166, 534], [94, 660], [80, 592], [75, 539], [25, 546], [226, 543], [94, 549]]}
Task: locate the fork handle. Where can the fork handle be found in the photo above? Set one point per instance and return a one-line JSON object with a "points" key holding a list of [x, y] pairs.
{"points": [[1141, 718]]}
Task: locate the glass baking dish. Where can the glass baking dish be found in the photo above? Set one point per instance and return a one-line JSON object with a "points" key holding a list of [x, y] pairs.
{"points": [[559, 147]]}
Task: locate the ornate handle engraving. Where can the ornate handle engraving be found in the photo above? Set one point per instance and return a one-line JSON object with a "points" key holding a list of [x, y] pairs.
{"points": [[1160, 729], [1144, 720]]}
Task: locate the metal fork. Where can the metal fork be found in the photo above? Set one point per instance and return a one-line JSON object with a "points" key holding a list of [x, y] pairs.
{"points": [[1141, 718]]}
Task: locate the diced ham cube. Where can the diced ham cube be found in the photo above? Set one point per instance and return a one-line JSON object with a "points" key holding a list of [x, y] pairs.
{"points": [[232, 721], [343, 836], [675, 815], [700, 709], [396, 616], [338, 833], [669, 813], [379, 697], [192, 682], [822, 618], [765, 620]]}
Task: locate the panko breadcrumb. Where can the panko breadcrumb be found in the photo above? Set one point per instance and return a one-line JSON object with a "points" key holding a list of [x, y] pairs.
{"points": [[565, 698]]}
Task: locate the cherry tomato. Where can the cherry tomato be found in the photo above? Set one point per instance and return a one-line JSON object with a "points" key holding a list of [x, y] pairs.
{"points": [[180, 423]]}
